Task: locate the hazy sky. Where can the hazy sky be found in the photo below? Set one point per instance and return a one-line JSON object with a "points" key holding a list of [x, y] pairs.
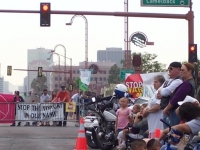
{"points": [[19, 32]]}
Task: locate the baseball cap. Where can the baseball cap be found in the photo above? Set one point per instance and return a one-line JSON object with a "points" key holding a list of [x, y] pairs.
{"points": [[188, 99], [175, 64]]}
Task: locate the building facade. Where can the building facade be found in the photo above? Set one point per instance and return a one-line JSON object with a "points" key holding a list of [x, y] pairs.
{"points": [[111, 55], [1, 85], [97, 80], [37, 58]]}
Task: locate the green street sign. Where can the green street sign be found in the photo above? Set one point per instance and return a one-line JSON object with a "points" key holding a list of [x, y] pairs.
{"points": [[123, 72], [165, 3]]}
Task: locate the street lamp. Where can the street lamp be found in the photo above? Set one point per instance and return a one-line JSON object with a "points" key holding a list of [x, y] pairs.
{"points": [[58, 66], [52, 51], [70, 72], [86, 36]]}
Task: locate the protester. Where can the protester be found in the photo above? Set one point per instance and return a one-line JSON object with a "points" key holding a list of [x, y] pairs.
{"points": [[153, 111], [63, 97], [153, 144], [17, 99], [123, 114], [140, 126], [138, 144], [44, 98], [54, 100], [169, 86], [179, 94], [76, 98], [190, 114]]}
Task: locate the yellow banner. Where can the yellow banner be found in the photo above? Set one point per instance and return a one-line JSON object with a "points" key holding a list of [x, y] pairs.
{"points": [[70, 107]]}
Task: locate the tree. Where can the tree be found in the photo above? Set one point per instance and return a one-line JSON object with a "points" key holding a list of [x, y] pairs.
{"points": [[113, 77], [38, 84], [149, 64]]}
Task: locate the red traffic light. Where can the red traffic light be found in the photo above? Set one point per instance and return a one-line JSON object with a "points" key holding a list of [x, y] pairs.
{"points": [[45, 7], [192, 48]]}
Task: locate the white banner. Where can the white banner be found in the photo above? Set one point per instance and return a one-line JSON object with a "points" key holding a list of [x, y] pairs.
{"points": [[40, 111]]}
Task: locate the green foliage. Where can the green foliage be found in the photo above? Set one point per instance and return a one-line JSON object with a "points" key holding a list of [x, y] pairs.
{"points": [[149, 64], [38, 84], [114, 75]]}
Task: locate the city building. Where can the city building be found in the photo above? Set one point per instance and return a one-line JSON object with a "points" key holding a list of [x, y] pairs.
{"points": [[111, 55], [37, 58], [1, 84], [6, 87], [97, 80]]}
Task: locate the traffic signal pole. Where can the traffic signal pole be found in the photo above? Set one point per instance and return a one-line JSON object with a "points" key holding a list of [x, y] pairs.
{"points": [[189, 16]]}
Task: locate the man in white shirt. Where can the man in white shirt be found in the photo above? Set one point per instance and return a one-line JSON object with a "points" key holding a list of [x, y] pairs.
{"points": [[169, 86], [76, 98], [44, 98]]}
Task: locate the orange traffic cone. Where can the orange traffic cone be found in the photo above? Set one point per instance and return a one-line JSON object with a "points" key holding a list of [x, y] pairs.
{"points": [[81, 143]]}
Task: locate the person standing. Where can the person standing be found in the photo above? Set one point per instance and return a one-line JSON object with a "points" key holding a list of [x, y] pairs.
{"points": [[17, 99], [165, 91], [63, 96], [44, 98], [76, 98]]}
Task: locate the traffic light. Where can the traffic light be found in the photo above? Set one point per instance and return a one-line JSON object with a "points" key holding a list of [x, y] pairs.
{"points": [[45, 14], [192, 52], [70, 87], [39, 71], [9, 70]]}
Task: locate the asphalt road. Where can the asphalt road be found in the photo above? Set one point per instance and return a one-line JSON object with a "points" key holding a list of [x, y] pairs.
{"points": [[38, 138]]}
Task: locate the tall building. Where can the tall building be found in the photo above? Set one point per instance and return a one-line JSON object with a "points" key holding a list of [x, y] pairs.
{"points": [[37, 58], [6, 87], [1, 84], [111, 55]]}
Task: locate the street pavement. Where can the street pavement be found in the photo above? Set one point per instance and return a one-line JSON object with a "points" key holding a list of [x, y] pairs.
{"points": [[38, 138]]}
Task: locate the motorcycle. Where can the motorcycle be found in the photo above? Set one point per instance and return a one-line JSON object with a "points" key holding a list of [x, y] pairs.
{"points": [[101, 128]]}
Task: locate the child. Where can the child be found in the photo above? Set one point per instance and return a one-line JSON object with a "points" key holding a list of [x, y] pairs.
{"points": [[153, 144], [123, 115], [138, 144]]}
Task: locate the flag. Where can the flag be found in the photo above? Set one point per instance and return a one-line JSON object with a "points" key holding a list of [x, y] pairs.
{"points": [[84, 81]]}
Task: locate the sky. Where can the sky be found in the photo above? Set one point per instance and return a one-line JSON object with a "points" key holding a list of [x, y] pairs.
{"points": [[19, 32]]}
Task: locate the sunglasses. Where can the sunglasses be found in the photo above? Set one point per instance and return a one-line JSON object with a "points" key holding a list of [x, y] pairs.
{"points": [[170, 68]]}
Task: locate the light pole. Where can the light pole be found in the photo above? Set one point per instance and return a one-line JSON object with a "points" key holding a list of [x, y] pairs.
{"points": [[58, 66], [86, 36], [64, 58]]}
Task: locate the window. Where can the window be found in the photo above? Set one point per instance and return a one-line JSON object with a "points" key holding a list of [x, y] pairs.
{"points": [[56, 78], [100, 79], [78, 72], [74, 71], [60, 78], [104, 79], [104, 71], [56, 85]]}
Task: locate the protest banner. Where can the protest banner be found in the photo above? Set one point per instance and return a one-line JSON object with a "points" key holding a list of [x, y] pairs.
{"points": [[40, 111], [141, 85], [7, 108]]}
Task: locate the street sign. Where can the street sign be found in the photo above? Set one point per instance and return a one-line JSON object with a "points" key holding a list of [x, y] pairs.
{"points": [[165, 3], [123, 72], [139, 39]]}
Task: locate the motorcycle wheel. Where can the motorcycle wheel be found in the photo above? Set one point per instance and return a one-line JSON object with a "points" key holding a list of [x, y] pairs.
{"points": [[99, 142], [90, 142]]}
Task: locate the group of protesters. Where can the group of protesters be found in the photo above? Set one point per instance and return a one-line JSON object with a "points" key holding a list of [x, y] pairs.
{"points": [[55, 97], [174, 101]]}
